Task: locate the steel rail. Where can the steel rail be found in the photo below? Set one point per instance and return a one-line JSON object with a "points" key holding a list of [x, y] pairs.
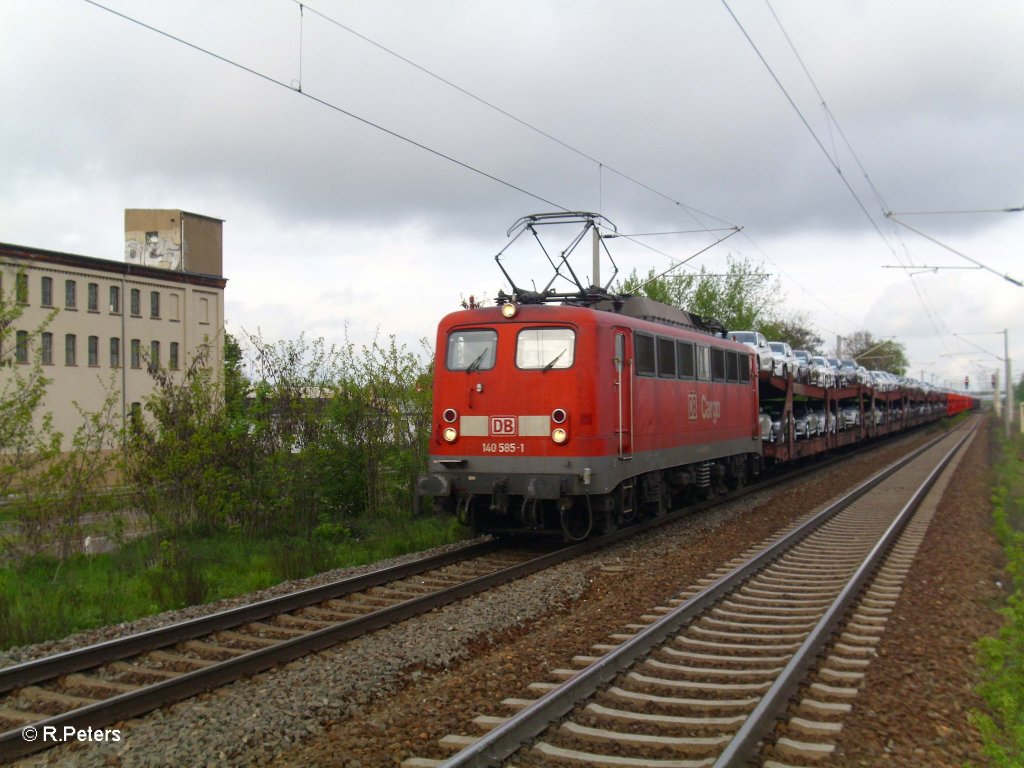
{"points": [[79, 659], [507, 738], [741, 749]]}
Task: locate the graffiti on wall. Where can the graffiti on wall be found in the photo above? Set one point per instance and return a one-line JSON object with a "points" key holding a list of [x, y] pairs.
{"points": [[152, 249]]}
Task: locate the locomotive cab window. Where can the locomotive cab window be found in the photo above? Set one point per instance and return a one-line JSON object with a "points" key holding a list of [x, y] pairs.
{"points": [[472, 350], [744, 368], [545, 348]]}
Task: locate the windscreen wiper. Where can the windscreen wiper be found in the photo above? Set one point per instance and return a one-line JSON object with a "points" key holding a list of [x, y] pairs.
{"points": [[554, 360]]}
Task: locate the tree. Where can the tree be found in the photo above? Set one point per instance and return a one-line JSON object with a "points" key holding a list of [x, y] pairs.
{"points": [[876, 354], [26, 438], [51, 490], [796, 330], [236, 386], [741, 299]]}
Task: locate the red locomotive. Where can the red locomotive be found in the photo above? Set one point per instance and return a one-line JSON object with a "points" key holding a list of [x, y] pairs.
{"points": [[573, 418]]}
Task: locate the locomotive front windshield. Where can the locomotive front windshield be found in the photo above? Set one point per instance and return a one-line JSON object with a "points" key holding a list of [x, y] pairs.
{"points": [[472, 350], [545, 348]]}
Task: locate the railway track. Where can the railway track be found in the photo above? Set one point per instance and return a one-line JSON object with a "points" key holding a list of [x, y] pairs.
{"points": [[102, 684], [123, 678], [105, 683], [705, 680]]}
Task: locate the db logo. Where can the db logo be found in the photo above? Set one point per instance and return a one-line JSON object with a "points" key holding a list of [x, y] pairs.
{"points": [[692, 406], [503, 425]]}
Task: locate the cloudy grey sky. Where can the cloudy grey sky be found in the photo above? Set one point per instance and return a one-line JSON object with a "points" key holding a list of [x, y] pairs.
{"points": [[332, 223]]}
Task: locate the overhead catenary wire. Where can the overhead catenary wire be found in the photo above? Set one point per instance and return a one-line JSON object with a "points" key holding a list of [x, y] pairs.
{"points": [[1016, 209], [930, 313], [323, 102], [803, 120], [602, 166], [1006, 277]]}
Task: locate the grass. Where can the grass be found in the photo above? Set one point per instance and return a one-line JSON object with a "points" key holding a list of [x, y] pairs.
{"points": [[1001, 658], [43, 598]]}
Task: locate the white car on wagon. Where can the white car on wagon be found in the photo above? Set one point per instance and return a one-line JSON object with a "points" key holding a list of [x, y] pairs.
{"points": [[756, 341]]}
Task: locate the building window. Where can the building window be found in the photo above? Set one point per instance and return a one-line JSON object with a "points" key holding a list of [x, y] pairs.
{"points": [[70, 343], [204, 311], [69, 294], [47, 348], [136, 302], [172, 312], [94, 350], [21, 347], [21, 288], [94, 297], [172, 361], [136, 353], [115, 352], [115, 300], [154, 355], [46, 296], [154, 304]]}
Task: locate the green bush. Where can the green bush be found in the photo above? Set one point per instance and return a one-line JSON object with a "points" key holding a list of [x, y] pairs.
{"points": [[1001, 658]]}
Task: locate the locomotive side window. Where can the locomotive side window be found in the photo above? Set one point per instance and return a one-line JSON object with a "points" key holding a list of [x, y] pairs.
{"points": [[744, 368], [545, 348], [645, 357], [732, 372], [666, 358], [704, 363], [718, 364], [472, 350], [684, 356]]}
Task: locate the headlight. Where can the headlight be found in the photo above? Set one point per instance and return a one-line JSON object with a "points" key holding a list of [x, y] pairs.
{"points": [[558, 416], [508, 311], [449, 415], [450, 434], [559, 435]]}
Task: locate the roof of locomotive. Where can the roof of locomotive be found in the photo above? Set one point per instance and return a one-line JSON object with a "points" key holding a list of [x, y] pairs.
{"points": [[612, 310]]}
